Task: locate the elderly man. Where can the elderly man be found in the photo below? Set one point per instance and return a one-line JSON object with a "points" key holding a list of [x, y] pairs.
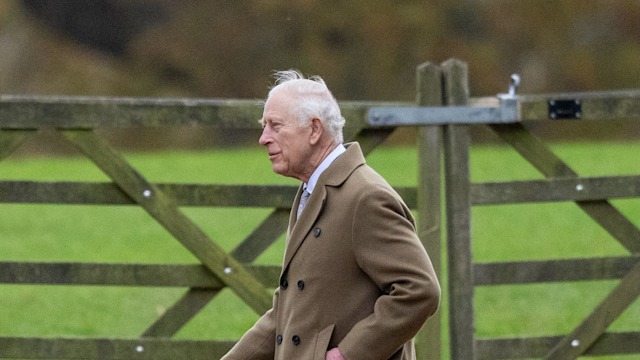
{"points": [[356, 282]]}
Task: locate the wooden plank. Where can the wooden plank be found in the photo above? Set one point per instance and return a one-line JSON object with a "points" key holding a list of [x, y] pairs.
{"points": [[429, 93], [166, 212], [555, 189], [576, 343], [197, 276], [11, 140], [543, 271], [32, 112], [458, 210], [92, 193], [526, 348], [102, 348], [514, 348], [63, 193], [272, 196], [602, 212], [107, 274], [596, 106], [77, 112]]}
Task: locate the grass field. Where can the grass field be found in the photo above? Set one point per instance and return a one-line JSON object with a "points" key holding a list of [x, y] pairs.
{"points": [[126, 234]]}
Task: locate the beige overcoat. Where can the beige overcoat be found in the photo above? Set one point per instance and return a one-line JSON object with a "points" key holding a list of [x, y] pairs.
{"points": [[355, 274]]}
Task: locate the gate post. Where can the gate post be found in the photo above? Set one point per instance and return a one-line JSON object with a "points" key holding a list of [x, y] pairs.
{"points": [[458, 212], [429, 93]]}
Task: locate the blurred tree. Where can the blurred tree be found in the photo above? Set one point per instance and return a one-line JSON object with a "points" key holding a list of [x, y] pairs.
{"points": [[101, 24], [364, 49]]}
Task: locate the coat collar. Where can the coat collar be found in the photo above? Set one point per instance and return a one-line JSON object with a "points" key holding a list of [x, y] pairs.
{"points": [[343, 166], [335, 175]]}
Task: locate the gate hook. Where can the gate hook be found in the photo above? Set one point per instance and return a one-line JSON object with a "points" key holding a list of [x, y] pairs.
{"points": [[513, 85]]}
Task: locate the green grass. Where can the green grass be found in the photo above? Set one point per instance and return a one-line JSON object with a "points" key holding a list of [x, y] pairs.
{"points": [[127, 234]]}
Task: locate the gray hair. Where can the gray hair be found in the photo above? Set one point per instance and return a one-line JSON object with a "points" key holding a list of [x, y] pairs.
{"points": [[313, 100]]}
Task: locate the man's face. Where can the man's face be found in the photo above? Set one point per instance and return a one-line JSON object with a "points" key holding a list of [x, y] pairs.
{"points": [[287, 143]]}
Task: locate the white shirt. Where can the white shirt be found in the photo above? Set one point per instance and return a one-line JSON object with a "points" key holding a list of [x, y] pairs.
{"points": [[313, 180]]}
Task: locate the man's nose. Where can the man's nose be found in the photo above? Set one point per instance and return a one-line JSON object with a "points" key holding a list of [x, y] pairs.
{"points": [[264, 137]]}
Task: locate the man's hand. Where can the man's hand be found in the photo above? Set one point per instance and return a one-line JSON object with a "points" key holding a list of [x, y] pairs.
{"points": [[335, 354]]}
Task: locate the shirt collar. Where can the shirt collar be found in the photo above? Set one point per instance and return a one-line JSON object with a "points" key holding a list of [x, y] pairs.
{"points": [[313, 180]]}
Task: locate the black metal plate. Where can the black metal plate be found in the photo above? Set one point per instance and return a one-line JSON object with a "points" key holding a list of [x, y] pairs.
{"points": [[565, 109]]}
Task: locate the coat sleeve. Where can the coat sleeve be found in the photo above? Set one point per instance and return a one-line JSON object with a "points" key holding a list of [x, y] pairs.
{"points": [[388, 250], [259, 342]]}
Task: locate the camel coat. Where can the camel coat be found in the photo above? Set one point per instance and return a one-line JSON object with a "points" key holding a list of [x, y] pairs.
{"points": [[355, 274]]}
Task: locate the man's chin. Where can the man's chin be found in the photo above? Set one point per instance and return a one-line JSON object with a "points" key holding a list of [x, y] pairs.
{"points": [[278, 170]]}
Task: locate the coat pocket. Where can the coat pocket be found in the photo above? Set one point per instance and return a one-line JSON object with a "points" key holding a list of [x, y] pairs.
{"points": [[322, 342]]}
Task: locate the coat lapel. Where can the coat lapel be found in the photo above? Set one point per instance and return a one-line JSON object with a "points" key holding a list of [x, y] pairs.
{"points": [[300, 228], [335, 175]]}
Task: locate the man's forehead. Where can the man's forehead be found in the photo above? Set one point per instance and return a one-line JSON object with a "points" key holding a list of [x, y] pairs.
{"points": [[269, 117], [275, 111]]}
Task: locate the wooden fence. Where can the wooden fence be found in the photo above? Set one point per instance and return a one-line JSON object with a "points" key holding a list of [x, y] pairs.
{"points": [[507, 117], [77, 120], [438, 85]]}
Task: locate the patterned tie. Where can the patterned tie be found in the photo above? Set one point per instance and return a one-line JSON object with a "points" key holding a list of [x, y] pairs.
{"points": [[303, 202]]}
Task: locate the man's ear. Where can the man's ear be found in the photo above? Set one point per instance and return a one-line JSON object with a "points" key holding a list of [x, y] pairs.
{"points": [[317, 129]]}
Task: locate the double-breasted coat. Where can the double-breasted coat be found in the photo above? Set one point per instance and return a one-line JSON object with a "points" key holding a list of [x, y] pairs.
{"points": [[355, 274]]}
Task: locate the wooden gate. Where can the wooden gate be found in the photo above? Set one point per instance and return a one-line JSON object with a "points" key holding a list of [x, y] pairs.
{"points": [[507, 117], [76, 119]]}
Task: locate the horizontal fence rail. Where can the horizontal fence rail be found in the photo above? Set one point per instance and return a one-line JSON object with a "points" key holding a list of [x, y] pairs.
{"points": [[192, 276], [143, 348], [556, 189], [510, 273], [622, 343], [192, 195], [72, 113]]}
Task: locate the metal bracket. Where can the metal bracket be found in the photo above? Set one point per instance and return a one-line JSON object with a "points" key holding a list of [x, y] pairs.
{"points": [[507, 112]]}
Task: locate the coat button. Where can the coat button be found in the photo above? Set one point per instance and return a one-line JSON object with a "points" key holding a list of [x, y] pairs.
{"points": [[284, 284], [300, 284], [296, 340], [279, 339], [316, 232]]}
